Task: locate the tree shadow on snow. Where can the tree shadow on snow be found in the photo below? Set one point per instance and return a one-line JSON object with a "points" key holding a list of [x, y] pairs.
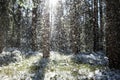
{"points": [[7, 59], [39, 69]]}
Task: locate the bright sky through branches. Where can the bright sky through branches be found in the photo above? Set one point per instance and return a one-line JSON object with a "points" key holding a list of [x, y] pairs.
{"points": [[53, 2]]}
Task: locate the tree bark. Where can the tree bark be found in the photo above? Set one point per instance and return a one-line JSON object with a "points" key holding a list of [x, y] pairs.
{"points": [[96, 28], [74, 29], [4, 23], [34, 34], [1, 39], [18, 28], [46, 30], [113, 33], [101, 27]]}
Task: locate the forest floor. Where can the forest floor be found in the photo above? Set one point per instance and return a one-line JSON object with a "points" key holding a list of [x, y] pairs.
{"points": [[14, 65]]}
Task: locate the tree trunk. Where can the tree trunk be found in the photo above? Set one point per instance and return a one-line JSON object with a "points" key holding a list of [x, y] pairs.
{"points": [[113, 33], [34, 35], [18, 28], [88, 27], [101, 27], [1, 31], [96, 28], [4, 23], [46, 30], [1, 39], [75, 36]]}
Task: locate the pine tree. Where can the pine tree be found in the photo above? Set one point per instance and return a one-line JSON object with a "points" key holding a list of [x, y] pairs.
{"points": [[96, 28], [34, 27], [46, 30], [4, 23], [88, 27], [113, 33], [74, 28], [101, 37], [18, 27], [1, 37]]}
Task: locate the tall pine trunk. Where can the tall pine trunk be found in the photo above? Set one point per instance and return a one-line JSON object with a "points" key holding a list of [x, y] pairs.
{"points": [[113, 33], [1, 38], [18, 28], [75, 39], [34, 34], [46, 30], [1, 31], [96, 28], [101, 26], [4, 23]]}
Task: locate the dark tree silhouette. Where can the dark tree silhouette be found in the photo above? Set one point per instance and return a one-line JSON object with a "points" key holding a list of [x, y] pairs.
{"points": [[113, 33], [96, 28], [34, 34], [4, 22], [101, 26], [74, 27], [46, 30]]}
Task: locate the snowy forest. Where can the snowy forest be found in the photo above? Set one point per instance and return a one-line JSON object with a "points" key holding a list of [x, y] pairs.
{"points": [[59, 39]]}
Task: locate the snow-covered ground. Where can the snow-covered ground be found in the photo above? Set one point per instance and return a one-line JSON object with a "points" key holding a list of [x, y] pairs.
{"points": [[92, 58], [15, 65]]}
